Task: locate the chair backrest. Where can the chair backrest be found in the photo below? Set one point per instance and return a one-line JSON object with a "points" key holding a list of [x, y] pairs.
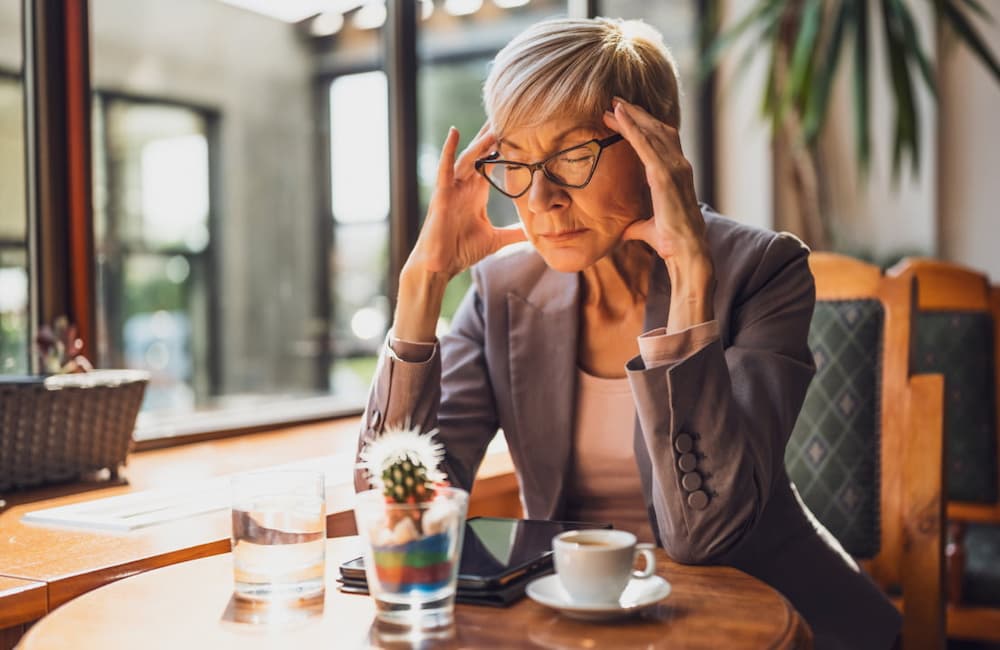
{"points": [[864, 451], [955, 334]]}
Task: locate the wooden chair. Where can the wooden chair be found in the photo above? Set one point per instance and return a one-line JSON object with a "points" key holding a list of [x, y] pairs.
{"points": [[957, 333], [867, 451]]}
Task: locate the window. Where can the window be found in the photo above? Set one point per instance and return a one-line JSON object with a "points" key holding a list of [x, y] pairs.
{"points": [[208, 208], [154, 248], [359, 187], [13, 217]]}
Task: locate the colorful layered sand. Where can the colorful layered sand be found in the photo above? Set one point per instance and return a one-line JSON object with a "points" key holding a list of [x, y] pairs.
{"points": [[420, 565]]}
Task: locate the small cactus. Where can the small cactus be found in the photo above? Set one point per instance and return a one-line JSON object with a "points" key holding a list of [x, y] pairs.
{"points": [[403, 465], [406, 481]]}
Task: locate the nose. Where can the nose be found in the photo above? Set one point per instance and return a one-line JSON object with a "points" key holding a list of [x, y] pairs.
{"points": [[544, 195]]}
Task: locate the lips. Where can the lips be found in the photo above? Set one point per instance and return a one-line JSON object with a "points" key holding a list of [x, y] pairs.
{"points": [[562, 235]]}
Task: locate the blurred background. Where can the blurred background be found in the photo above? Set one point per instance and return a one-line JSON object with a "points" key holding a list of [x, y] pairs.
{"points": [[240, 174]]}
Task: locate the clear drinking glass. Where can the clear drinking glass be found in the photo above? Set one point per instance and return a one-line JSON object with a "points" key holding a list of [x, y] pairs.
{"points": [[279, 534], [411, 556]]}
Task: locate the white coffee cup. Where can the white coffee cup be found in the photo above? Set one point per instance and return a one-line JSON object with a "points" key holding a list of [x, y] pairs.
{"points": [[595, 565]]}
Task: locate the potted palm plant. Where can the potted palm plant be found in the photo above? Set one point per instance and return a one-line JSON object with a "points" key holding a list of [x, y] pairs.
{"points": [[806, 41]]}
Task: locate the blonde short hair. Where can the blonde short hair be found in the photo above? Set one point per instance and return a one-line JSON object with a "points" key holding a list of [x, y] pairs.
{"points": [[571, 67]]}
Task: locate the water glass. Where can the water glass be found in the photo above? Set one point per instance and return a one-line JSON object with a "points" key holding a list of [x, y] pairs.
{"points": [[279, 534], [412, 554]]}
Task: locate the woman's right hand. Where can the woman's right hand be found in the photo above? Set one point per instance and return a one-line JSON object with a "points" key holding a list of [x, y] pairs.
{"points": [[457, 232]]}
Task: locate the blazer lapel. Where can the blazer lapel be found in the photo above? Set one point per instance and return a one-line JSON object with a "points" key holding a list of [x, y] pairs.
{"points": [[543, 328], [657, 309]]}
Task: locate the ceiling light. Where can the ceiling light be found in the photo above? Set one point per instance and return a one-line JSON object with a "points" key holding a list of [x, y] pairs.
{"points": [[289, 11], [510, 4], [426, 9], [371, 15], [462, 7], [326, 24]]}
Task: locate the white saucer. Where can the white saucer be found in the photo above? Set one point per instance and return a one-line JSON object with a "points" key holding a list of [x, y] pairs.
{"points": [[639, 593]]}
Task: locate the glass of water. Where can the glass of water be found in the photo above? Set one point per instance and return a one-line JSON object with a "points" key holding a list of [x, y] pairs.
{"points": [[279, 534]]}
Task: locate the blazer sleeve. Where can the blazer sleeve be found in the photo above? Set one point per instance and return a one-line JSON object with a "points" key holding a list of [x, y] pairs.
{"points": [[715, 423], [459, 402]]}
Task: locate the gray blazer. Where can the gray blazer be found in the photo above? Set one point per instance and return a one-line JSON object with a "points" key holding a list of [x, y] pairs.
{"points": [[509, 362]]}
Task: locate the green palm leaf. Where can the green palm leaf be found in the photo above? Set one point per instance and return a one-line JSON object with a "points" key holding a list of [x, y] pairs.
{"points": [[818, 100], [812, 51], [862, 129], [960, 23], [907, 114]]}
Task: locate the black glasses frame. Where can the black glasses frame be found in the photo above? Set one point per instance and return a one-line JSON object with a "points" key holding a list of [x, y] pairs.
{"points": [[603, 143]]}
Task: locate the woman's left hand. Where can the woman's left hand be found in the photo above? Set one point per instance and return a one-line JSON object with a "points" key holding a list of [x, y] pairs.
{"points": [[676, 230]]}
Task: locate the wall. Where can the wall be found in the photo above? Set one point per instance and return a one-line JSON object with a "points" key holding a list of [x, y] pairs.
{"points": [[969, 154], [744, 173]]}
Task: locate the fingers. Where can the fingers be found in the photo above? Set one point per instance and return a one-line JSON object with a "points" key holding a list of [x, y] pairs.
{"points": [[640, 140], [611, 122], [479, 147], [446, 166]]}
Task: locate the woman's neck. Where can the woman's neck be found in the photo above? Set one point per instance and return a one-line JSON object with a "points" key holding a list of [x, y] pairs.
{"points": [[618, 282]]}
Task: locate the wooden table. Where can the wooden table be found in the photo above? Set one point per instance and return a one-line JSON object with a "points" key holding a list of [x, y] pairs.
{"points": [[61, 564], [190, 605]]}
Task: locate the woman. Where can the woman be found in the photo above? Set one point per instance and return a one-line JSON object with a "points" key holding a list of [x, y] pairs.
{"points": [[645, 357]]}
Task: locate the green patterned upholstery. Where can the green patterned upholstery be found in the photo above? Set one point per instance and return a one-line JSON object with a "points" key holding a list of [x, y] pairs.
{"points": [[982, 565], [833, 454], [959, 345]]}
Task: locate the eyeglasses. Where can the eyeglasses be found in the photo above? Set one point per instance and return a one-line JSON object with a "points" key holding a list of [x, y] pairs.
{"points": [[573, 167]]}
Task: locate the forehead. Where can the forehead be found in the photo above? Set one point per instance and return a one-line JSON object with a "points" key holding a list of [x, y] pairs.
{"points": [[548, 136]]}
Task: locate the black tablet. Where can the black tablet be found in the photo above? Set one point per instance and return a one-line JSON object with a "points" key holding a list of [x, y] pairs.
{"points": [[497, 551]]}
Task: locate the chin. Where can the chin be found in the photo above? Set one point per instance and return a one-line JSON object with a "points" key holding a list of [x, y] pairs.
{"points": [[567, 260]]}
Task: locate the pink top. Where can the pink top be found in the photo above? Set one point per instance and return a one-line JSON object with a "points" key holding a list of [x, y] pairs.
{"points": [[603, 483]]}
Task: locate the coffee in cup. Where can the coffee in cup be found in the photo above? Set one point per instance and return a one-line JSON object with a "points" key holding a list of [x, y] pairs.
{"points": [[594, 566]]}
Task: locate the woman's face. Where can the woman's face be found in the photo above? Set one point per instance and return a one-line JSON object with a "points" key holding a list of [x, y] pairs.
{"points": [[573, 228]]}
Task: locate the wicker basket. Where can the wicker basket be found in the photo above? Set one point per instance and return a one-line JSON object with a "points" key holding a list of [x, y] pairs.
{"points": [[58, 428]]}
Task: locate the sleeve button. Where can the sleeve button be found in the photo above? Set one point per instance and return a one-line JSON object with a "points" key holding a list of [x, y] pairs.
{"points": [[683, 443], [687, 462], [691, 481], [698, 500]]}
